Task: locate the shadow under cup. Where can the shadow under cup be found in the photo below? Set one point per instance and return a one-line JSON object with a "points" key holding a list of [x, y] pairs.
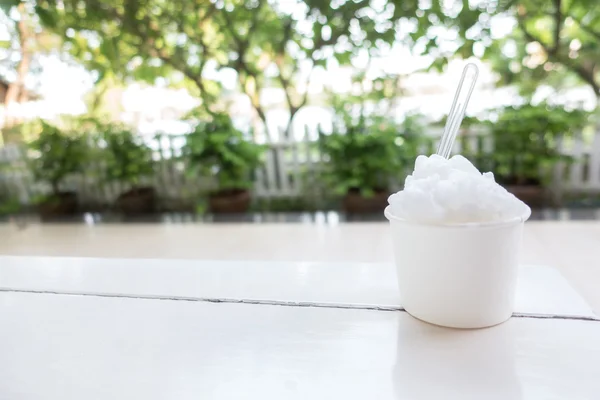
{"points": [[438, 363], [457, 275]]}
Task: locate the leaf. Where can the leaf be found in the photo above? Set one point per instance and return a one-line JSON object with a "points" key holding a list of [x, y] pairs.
{"points": [[7, 5], [47, 18], [109, 49], [343, 58]]}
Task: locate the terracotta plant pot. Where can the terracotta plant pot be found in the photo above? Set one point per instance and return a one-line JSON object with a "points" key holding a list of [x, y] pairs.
{"points": [[141, 200], [229, 201], [60, 204], [355, 203], [532, 195]]}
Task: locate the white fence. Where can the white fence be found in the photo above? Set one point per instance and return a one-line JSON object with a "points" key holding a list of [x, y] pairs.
{"points": [[291, 170], [288, 161], [584, 174]]}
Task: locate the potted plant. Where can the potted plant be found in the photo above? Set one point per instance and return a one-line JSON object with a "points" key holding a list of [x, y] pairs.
{"points": [[57, 155], [220, 150], [129, 161], [362, 158], [526, 147], [9, 204]]}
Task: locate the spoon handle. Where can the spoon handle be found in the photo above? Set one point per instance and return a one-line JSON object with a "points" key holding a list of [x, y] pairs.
{"points": [[457, 111]]}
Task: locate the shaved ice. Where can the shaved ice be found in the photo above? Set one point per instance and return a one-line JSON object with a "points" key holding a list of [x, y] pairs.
{"points": [[452, 191]]}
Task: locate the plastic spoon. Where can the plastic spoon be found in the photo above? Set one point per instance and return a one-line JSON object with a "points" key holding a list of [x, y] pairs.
{"points": [[457, 111]]}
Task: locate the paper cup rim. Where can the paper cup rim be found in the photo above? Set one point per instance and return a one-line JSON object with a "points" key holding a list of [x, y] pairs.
{"points": [[490, 224]]}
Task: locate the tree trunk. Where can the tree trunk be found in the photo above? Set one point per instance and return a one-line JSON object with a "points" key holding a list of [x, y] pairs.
{"points": [[16, 90], [288, 128]]}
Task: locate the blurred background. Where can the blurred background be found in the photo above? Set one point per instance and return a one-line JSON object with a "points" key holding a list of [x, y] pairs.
{"points": [[199, 110]]}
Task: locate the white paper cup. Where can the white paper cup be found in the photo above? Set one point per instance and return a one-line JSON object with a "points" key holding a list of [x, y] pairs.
{"points": [[459, 276]]}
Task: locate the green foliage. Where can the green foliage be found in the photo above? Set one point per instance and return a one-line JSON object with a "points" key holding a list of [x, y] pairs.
{"points": [[527, 41], [219, 149], [128, 159], [467, 122], [9, 205], [201, 207], [57, 154], [265, 42], [547, 42], [358, 160], [366, 154], [526, 138], [26, 132]]}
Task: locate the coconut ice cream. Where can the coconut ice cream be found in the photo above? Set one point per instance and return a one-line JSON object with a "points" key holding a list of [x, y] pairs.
{"points": [[454, 191]]}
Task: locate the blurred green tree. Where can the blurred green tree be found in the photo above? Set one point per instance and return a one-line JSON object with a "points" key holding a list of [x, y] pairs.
{"points": [[17, 21], [58, 154], [19, 53], [281, 43], [266, 43], [560, 35], [527, 41]]}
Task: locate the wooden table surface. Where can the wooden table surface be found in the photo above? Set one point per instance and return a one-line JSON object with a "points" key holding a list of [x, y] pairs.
{"points": [[573, 247], [89, 328]]}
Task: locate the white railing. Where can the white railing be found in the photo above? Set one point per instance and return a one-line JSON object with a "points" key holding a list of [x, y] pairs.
{"points": [[291, 169], [584, 174], [287, 160]]}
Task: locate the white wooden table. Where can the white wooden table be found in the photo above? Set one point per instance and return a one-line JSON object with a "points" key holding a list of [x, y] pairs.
{"points": [[160, 329]]}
